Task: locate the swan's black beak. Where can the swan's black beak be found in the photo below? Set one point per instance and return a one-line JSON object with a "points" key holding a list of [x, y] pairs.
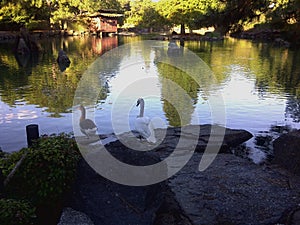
{"points": [[137, 103]]}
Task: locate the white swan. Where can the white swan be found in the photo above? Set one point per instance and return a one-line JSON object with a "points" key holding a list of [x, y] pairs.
{"points": [[87, 126], [143, 124]]}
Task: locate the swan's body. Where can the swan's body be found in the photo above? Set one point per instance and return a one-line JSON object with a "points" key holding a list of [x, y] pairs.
{"points": [[143, 124], [87, 126]]}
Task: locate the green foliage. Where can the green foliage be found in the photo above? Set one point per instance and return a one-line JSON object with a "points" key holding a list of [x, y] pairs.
{"points": [[38, 25], [183, 12], [8, 161], [283, 12], [78, 26], [224, 15], [47, 170], [143, 14], [13, 13], [24, 11], [15, 212], [180, 111]]}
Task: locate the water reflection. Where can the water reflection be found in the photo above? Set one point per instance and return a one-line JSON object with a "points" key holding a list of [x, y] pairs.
{"points": [[260, 85], [33, 88], [38, 79], [27, 61], [177, 107], [102, 45]]}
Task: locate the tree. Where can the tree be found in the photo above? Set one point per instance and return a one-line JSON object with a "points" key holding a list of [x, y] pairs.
{"points": [[283, 12], [223, 15], [23, 12], [143, 14], [183, 12]]}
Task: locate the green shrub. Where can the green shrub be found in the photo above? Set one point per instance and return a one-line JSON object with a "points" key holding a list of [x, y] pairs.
{"points": [[77, 25], [38, 25], [14, 212], [47, 170], [8, 161]]}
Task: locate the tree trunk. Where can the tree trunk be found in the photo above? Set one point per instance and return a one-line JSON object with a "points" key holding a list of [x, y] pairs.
{"points": [[182, 28]]}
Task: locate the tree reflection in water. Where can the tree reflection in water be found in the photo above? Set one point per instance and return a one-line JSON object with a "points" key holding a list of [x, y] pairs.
{"points": [[37, 78]]}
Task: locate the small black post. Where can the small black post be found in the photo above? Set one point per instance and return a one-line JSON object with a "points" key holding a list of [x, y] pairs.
{"points": [[32, 132]]}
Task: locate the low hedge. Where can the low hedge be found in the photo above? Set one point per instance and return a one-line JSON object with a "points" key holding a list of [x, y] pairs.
{"points": [[46, 173], [16, 212]]}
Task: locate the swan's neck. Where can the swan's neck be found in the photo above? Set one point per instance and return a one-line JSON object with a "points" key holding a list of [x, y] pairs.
{"points": [[142, 105], [82, 114]]}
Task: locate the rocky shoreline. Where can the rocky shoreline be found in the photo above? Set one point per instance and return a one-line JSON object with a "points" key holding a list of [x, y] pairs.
{"points": [[276, 37], [8, 36], [232, 190]]}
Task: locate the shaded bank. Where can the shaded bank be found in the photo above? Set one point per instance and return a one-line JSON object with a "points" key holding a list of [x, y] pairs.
{"points": [[232, 190], [277, 37]]}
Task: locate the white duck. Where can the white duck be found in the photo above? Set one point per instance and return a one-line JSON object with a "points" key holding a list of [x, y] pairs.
{"points": [[143, 124], [87, 126]]}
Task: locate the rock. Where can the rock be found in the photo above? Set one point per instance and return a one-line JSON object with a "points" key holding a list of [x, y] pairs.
{"points": [[109, 203], [26, 43], [22, 47], [174, 50], [7, 35], [170, 212], [63, 60], [287, 151], [192, 137], [72, 217], [281, 43], [233, 190], [230, 138]]}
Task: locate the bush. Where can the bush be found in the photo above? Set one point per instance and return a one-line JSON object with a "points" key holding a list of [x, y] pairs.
{"points": [[8, 161], [14, 212], [38, 25], [46, 172], [77, 26]]}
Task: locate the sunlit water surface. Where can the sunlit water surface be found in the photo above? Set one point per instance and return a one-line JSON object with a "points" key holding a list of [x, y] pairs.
{"points": [[259, 85]]}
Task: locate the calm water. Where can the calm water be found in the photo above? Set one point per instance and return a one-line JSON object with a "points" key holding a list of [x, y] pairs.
{"points": [[259, 84]]}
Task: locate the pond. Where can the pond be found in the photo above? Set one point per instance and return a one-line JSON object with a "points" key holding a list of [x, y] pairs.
{"points": [[257, 83]]}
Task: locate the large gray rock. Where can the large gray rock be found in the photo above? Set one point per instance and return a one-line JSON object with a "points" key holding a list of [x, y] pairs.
{"points": [[194, 137], [233, 190], [72, 217], [287, 151], [109, 203]]}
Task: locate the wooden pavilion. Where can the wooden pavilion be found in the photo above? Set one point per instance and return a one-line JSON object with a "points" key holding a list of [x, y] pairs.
{"points": [[104, 22]]}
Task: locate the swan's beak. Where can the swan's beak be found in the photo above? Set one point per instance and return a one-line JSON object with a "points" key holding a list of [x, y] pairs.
{"points": [[137, 103]]}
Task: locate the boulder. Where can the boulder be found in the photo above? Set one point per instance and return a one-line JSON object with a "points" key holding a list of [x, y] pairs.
{"points": [[218, 136], [233, 190], [110, 203], [70, 216], [63, 60], [26, 43], [287, 151], [192, 137]]}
